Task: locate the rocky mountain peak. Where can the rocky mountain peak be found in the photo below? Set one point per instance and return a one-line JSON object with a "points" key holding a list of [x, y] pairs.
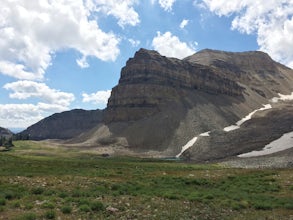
{"points": [[144, 53], [149, 81]]}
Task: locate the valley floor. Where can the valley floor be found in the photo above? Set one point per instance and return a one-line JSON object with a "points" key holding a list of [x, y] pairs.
{"points": [[38, 181]]}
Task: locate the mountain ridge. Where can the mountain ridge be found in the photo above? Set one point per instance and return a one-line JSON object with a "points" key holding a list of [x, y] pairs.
{"points": [[160, 103]]}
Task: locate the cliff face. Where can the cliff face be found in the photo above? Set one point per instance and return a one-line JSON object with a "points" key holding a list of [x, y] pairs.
{"points": [[64, 125], [150, 80]]}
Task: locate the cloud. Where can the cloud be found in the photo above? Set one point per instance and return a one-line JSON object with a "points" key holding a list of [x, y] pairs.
{"points": [[23, 115], [29, 89], [171, 46], [183, 23], [165, 4], [133, 42], [82, 63], [18, 71], [271, 21], [19, 115], [31, 32], [100, 97], [120, 9]]}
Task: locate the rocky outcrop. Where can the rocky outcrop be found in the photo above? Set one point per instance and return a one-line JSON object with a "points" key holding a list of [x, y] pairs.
{"points": [[5, 133], [63, 125], [149, 81]]}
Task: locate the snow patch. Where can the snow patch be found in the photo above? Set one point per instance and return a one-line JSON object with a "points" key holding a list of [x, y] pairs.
{"points": [[206, 134], [191, 142], [282, 98], [188, 145], [283, 143], [246, 118]]}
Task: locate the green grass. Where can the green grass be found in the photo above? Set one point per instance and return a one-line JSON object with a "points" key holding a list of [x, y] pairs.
{"points": [[36, 183]]}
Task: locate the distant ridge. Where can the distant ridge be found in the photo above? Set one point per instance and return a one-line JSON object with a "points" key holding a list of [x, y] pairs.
{"points": [[64, 125]]}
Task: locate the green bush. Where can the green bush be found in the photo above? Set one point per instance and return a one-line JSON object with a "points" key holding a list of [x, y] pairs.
{"points": [[97, 206], [27, 216], [63, 195], [84, 208], [2, 202], [48, 205], [66, 209], [9, 195], [16, 204], [28, 206], [38, 190], [50, 214]]}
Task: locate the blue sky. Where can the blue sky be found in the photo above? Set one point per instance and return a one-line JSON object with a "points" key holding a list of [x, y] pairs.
{"points": [[57, 55]]}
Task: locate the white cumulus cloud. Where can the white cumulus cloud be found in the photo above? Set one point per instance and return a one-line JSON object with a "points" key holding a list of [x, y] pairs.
{"points": [[100, 97], [23, 115], [165, 4], [271, 20], [120, 9], [171, 46], [184, 23], [19, 115], [28, 89], [32, 31], [133, 42]]}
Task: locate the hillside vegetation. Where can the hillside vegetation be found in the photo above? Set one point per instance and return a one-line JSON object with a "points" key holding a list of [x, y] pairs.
{"points": [[38, 181]]}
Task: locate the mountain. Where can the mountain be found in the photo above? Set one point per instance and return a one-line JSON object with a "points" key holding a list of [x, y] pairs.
{"points": [[5, 133], [64, 125], [160, 104]]}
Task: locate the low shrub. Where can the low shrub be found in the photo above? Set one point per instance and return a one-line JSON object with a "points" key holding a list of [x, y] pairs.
{"points": [[50, 214], [38, 190], [84, 208], [2, 202], [66, 209], [97, 206], [27, 216]]}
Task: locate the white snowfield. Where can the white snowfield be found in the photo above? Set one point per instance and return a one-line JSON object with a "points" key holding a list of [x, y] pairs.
{"points": [[187, 145], [246, 118], [282, 98], [283, 143], [192, 142], [206, 134]]}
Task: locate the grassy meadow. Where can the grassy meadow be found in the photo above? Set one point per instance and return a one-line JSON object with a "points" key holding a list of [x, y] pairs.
{"points": [[42, 182]]}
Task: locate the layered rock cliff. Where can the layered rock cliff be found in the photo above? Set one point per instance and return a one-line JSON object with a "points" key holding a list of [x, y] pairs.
{"points": [[150, 80]]}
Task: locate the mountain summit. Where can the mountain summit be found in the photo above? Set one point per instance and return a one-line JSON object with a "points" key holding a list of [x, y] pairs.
{"points": [[162, 103]]}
